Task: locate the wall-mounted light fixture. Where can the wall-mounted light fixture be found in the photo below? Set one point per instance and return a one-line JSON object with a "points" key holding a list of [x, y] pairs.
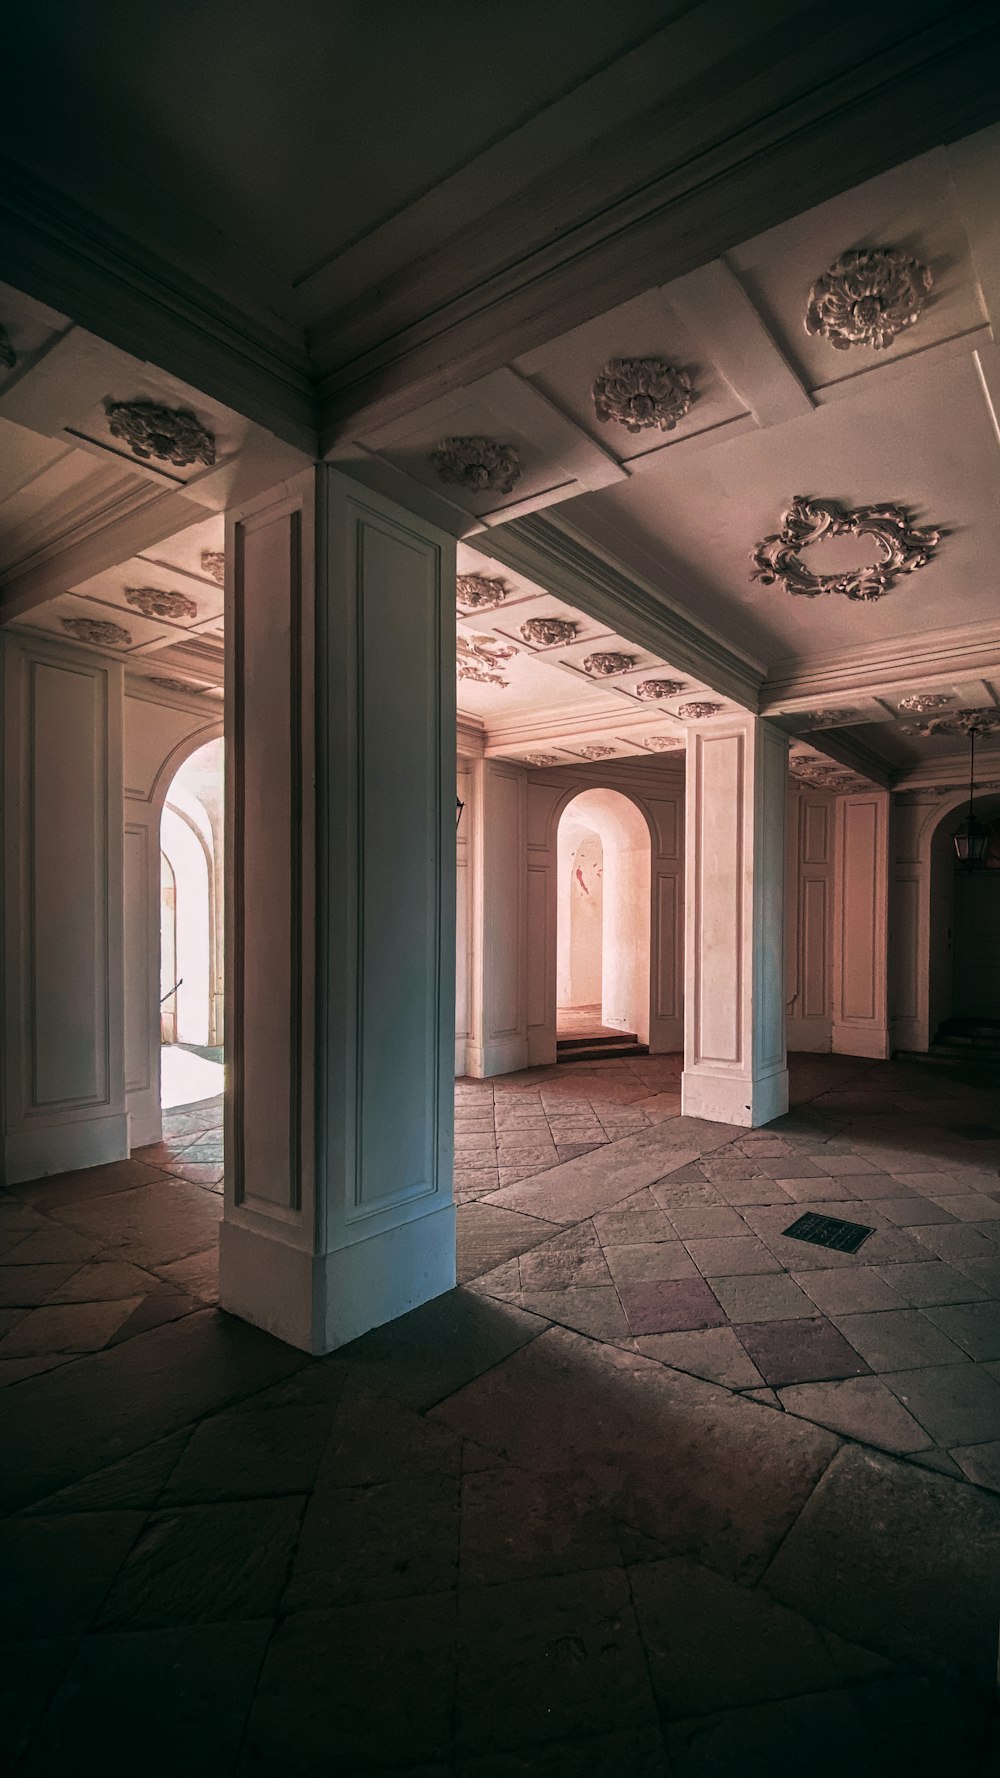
{"points": [[458, 817], [972, 838]]}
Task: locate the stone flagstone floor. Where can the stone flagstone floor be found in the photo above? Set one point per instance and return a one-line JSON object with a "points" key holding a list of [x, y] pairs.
{"points": [[658, 1491]]}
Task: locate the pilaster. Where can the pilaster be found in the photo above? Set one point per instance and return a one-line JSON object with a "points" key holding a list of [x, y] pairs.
{"points": [[499, 1040], [735, 1068], [861, 926]]}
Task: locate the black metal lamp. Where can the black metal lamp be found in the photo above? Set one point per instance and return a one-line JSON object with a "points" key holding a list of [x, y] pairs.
{"points": [[458, 817], [972, 838]]}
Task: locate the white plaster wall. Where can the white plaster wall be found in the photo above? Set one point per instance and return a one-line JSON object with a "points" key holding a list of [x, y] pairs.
{"points": [[185, 851], [580, 917], [861, 925]]}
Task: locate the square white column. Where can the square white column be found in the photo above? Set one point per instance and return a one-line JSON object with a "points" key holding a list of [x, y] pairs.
{"points": [[340, 872], [64, 1056], [735, 1068]]}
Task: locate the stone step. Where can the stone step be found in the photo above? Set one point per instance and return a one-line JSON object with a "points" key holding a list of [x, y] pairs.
{"points": [[600, 1049]]}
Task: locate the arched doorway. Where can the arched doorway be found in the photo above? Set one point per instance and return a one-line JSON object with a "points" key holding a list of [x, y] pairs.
{"points": [[964, 936], [603, 919], [191, 938]]}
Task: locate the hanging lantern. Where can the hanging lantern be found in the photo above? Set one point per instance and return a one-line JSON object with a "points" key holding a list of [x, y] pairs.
{"points": [[972, 838]]}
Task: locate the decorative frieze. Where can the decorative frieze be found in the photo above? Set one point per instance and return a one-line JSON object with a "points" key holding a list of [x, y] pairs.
{"points": [[957, 722], [867, 298], [8, 356], [479, 657], [213, 563], [98, 631], [549, 632], [478, 592], [697, 712], [919, 703], [641, 393], [651, 690], [172, 435], [482, 465], [901, 546], [154, 601], [608, 666]]}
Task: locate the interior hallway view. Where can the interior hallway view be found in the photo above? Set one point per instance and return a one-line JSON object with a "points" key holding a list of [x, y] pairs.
{"points": [[500, 969]]}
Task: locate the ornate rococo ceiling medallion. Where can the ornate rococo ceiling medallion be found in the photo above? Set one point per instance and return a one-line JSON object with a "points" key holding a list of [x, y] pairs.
{"points": [[479, 658], [957, 722], [477, 592], [920, 702], [542, 759], [867, 298], [8, 356], [608, 666], [640, 393], [696, 712], [651, 689], [171, 434], [596, 752], [97, 631], [153, 601], [482, 465], [175, 684], [548, 632], [662, 743], [213, 563], [903, 546]]}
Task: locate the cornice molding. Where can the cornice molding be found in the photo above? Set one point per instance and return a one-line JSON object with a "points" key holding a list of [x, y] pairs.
{"points": [[128, 518], [855, 757], [968, 651], [553, 555], [61, 254]]}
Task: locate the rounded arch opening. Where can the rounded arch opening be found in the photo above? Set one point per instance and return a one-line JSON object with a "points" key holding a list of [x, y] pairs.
{"points": [[604, 865], [191, 927], [964, 925]]}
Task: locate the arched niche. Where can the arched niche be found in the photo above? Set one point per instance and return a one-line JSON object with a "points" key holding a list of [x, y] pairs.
{"points": [[603, 855]]}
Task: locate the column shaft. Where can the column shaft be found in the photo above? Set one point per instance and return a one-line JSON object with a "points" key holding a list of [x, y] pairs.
{"points": [[734, 1027]]}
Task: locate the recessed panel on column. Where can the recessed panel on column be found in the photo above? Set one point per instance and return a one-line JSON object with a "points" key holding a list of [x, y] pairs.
{"points": [[814, 951], [859, 910], [400, 827], [140, 1014], [719, 889]]}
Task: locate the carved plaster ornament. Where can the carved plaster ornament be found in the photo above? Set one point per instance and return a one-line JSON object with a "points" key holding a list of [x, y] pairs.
{"points": [[172, 434], [822, 774], [174, 684], [919, 703], [695, 712], [96, 630], [482, 465], [608, 666], [548, 631], [957, 722], [153, 601], [829, 717], [542, 759], [477, 592], [479, 658], [8, 356], [596, 752], [902, 546], [640, 393], [867, 298], [662, 743], [213, 563], [652, 689]]}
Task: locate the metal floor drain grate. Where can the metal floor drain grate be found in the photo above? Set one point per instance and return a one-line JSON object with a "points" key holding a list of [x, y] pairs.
{"points": [[975, 1132], [829, 1231]]}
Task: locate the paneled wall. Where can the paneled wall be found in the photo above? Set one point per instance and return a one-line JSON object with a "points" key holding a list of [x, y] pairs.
{"points": [[861, 925], [809, 858], [64, 1073]]}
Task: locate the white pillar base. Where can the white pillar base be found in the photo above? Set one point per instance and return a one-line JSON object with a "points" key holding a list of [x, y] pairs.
{"points": [[734, 1099], [317, 1301]]}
